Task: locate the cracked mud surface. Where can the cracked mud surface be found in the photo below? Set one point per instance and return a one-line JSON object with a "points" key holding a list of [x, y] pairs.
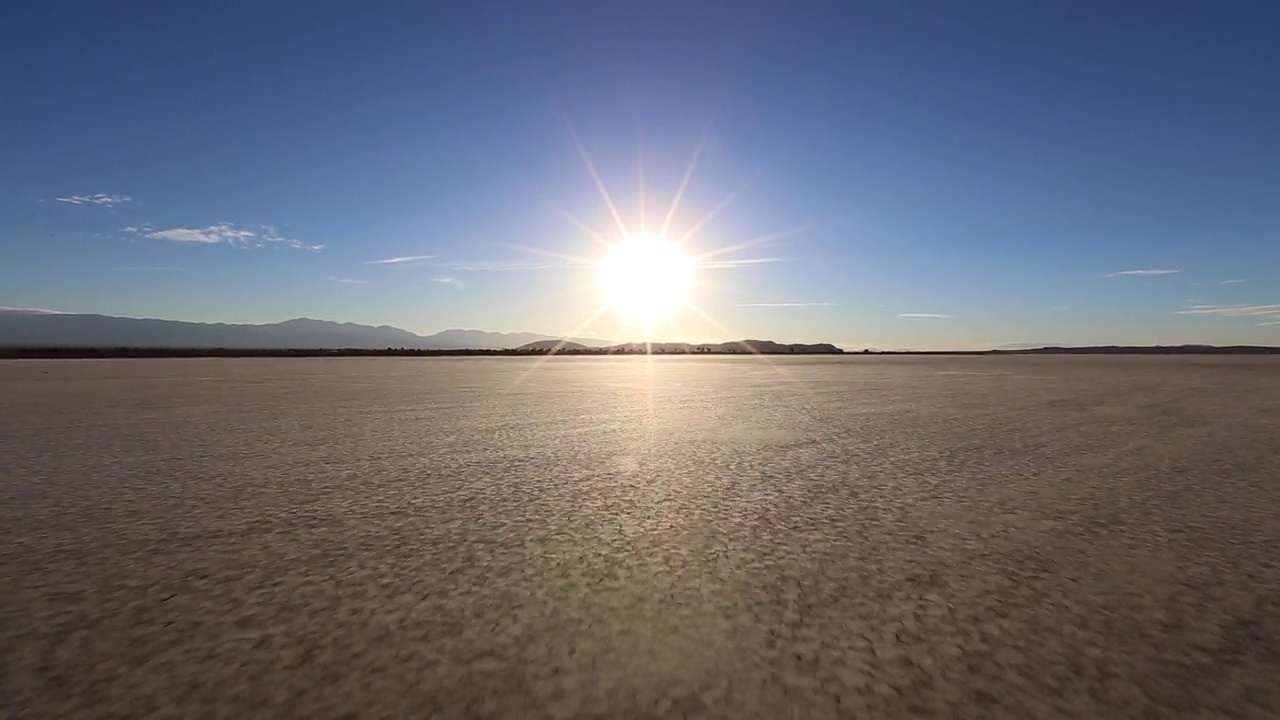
{"points": [[991, 537]]}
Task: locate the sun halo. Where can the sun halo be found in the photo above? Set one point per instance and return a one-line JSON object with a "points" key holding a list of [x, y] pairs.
{"points": [[645, 277]]}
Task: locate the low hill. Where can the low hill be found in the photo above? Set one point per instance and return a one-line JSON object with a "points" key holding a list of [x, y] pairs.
{"points": [[41, 329], [26, 328], [734, 347], [555, 345]]}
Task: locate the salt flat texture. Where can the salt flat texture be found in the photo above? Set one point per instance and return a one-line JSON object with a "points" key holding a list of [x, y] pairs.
{"points": [[972, 537]]}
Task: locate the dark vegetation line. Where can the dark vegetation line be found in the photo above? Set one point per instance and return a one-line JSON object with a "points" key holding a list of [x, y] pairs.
{"points": [[146, 352], [52, 353]]}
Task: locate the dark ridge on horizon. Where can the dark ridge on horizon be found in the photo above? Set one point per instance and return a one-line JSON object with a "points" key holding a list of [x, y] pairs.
{"points": [[1098, 350], [68, 333], [47, 329], [738, 349], [32, 334]]}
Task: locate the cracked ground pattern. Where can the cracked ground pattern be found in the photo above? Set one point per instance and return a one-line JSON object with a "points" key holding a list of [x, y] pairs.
{"points": [[981, 537]]}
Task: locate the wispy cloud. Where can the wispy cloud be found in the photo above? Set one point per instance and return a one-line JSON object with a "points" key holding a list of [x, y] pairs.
{"points": [[147, 268], [210, 235], [462, 266], [348, 281], [500, 266], [745, 262], [1233, 310], [787, 304], [448, 281], [924, 315], [1232, 282], [1269, 322], [1142, 272], [31, 311], [406, 260], [102, 199], [223, 233]]}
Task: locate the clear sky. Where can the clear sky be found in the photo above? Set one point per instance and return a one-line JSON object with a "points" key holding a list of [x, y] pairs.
{"points": [[900, 174]]}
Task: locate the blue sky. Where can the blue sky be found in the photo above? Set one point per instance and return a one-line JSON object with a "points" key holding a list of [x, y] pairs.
{"points": [[911, 174]]}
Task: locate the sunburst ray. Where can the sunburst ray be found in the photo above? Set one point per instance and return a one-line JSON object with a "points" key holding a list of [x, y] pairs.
{"points": [[716, 210], [646, 324], [753, 242], [573, 219], [595, 176], [522, 377], [640, 201], [684, 182], [729, 333], [572, 260]]}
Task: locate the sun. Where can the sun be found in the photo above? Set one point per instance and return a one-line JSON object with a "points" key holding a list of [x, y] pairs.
{"points": [[645, 277]]}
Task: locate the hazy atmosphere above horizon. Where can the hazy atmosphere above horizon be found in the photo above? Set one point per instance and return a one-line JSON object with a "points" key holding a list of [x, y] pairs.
{"points": [[886, 174]]}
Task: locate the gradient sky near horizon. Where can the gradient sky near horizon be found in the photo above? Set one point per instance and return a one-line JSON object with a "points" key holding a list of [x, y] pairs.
{"points": [[904, 174]]}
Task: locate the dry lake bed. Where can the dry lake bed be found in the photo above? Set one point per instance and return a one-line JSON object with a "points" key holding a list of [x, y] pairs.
{"points": [[969, 537]]}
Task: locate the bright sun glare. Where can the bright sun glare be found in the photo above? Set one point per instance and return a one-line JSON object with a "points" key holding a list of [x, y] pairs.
{"points": [[645, 277]]}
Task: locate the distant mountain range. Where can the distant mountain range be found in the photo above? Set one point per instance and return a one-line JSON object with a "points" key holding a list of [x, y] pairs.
{"points": [[34, 328], [41, 333], [43, 329]]}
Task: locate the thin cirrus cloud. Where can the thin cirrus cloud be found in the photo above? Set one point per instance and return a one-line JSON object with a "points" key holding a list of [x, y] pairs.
{"points": [[224, 234], [1263, 311], [729, 264], [404, 260], [31, 311], [787, 305], [500, 266], [1232, 282], [448, 280], [102, 199], [1142, 272], [924, 315], [348, 281], [464, 266]]}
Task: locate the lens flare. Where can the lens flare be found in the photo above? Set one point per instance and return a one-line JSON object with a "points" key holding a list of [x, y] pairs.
{"points": [[645, 277]]}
